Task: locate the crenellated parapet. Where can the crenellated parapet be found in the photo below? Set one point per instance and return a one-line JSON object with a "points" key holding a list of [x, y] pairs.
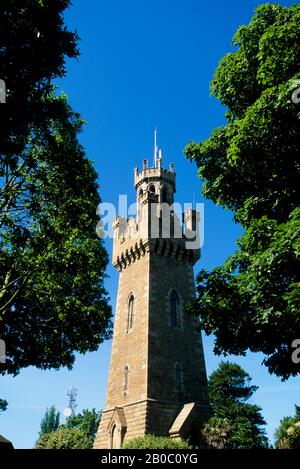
{"points": [[132, 252], [132, 241], [155, 174], [156, 228]]}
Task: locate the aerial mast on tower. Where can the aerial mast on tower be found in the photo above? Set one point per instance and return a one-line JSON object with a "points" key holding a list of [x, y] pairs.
{"points": [[155, 148], [157, 151]]}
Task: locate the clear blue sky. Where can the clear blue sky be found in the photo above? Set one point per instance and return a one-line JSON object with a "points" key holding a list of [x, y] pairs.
{"points": [[144, 64]]}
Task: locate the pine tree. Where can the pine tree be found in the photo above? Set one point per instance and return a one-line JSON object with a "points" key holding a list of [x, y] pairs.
{"points": [[235, 423], [50, 421]]}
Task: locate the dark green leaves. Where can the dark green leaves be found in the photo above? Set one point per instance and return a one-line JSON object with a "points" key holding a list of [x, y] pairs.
{"points": [[3, 405], [52, 265], [251, 166], [235, 423]]}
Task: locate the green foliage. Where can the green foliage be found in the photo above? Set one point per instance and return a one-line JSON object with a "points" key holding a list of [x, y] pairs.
{"points": [[50, 421], [287, 434], [88, 422], [3, 405], [34, 34], [155, 442], [251, 166], [52, 265], [229, 384], [78, 433], [235, 423], [215, 432], [64, 438]]}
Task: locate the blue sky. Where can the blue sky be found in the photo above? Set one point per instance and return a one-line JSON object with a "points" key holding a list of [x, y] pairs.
{"points": [[144, 64]]}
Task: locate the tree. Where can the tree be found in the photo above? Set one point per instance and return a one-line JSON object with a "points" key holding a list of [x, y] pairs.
{"points": [[3, 405], [34, 45], [229, 384], [88, 422], [64, 438], [155, 442], [52, 265], [235, 423], [287, 435], [78, 433], [251, 167], [215, 432], [50, 421]]}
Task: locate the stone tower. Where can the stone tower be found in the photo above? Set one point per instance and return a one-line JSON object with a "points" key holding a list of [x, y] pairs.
{"points": [[157, 379]]}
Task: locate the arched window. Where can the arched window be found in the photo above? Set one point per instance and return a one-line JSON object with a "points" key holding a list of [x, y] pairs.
{"points": [[126, 377], [139, 205], [131, 313], [178, 377], [174, 309], [113, 437], [152, 189]]}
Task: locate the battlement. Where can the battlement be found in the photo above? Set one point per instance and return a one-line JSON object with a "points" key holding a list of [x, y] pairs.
{"points": [[160, 233], [157, 228], [154, 174]]}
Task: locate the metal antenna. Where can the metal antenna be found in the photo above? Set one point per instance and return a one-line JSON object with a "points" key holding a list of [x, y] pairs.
{"points": [[155, 148], [160, 155], [70, 410]]}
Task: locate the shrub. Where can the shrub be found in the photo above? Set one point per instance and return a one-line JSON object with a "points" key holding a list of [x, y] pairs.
{"points": [[155, 442], [64, 438]]}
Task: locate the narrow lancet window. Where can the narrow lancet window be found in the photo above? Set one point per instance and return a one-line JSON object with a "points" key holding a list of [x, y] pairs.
{"points": [[126, 378], [131, 313], [178, 377], [174, 309]]}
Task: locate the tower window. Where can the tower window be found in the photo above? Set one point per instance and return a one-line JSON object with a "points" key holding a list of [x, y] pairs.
{"points": [[113, 437], [139, 207], [174, 309], [126, 378], [131, 313], [152, 189], [164, 195], [178, 377]]}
